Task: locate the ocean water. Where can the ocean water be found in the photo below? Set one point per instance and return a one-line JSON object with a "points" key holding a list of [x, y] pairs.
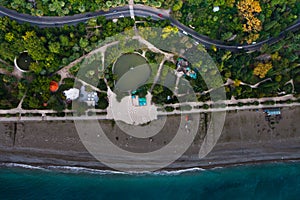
{"points": [[265, 181]]}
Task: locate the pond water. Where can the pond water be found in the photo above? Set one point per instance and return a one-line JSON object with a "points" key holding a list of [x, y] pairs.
{"points": [[132, 71], [24, 60]]}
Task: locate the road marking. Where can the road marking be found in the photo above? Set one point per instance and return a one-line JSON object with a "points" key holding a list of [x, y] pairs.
{"points": [[131, 9]]}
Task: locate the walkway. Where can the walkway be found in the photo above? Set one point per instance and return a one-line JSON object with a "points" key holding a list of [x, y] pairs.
{"points": [[17, 73], [133, 113]]}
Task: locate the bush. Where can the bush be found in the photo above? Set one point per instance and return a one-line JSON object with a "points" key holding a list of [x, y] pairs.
{"points": [[169, 109], [102, 104], [206, 106]]}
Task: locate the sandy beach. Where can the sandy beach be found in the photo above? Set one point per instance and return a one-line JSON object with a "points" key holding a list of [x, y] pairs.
{"points": [[246, 138]]}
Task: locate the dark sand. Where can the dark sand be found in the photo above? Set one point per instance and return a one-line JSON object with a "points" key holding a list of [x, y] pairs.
{"points": [[246, 138]]}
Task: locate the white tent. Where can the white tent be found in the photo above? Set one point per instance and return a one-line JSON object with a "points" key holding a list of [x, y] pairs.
{"points": [[72, 93]]}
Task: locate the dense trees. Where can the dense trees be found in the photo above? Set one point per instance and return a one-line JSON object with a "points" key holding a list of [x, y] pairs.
{"points": [[239, 21], [9, 92], [34, 45], [38, 92], [53, 48], [275, 62], [236, 21], [70, 7]]}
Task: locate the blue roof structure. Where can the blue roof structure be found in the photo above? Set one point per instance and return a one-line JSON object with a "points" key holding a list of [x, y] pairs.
{"points": [[142, 101], [272, 112], [185, 67], [138, 101]]}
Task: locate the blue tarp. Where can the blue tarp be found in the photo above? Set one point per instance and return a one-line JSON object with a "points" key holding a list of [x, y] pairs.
{"points": [[194, 76], [142, 101], [273, 112]]}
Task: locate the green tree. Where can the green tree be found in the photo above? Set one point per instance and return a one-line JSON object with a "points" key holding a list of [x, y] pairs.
{"points": [[54, 47], [83, 43], [35, 67], [64, 40], [34, 46], [9, 36], [177, 6], [56, 103], [34, 103], [7, 52], [108, 4], [226, 35]]}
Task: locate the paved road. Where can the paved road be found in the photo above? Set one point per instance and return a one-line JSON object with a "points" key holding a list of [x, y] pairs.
{"points": [[46, 114], [159, 113], [141, 11]]}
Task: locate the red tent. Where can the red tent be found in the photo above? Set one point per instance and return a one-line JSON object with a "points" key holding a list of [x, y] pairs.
{"points": [[54, 86]]}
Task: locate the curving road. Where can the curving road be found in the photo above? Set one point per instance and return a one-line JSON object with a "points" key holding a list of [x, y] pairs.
{"points": [[140, 11]]}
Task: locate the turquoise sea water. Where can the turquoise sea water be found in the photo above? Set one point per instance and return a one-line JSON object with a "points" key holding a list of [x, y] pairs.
{"points": [[267, 181]]}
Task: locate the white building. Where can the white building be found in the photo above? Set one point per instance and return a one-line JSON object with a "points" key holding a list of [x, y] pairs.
{"points": [[216, 9], [90, 98]]}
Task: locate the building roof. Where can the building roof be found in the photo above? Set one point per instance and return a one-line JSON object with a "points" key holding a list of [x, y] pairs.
{"points": [[185, 67], [216, 8], [91, 98], [274, 111]]}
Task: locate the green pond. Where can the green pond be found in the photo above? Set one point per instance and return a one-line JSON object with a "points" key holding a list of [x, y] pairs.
{"points": [[132, 71], [24, 60]]}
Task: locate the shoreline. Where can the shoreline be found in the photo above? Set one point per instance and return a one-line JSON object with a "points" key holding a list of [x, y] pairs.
{"points": [[164, 171], [247, 139]]}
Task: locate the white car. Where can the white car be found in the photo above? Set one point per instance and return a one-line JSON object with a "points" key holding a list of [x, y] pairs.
{"points": [[196, 43], [240, 47]]}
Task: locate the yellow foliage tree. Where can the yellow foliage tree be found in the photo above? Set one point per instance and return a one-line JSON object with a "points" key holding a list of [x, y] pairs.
{"points": [[262, 69], [168, 30], [28, 35], [237, 83], [230, 3], [248, 9], [252, 37], [276, 56]]}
